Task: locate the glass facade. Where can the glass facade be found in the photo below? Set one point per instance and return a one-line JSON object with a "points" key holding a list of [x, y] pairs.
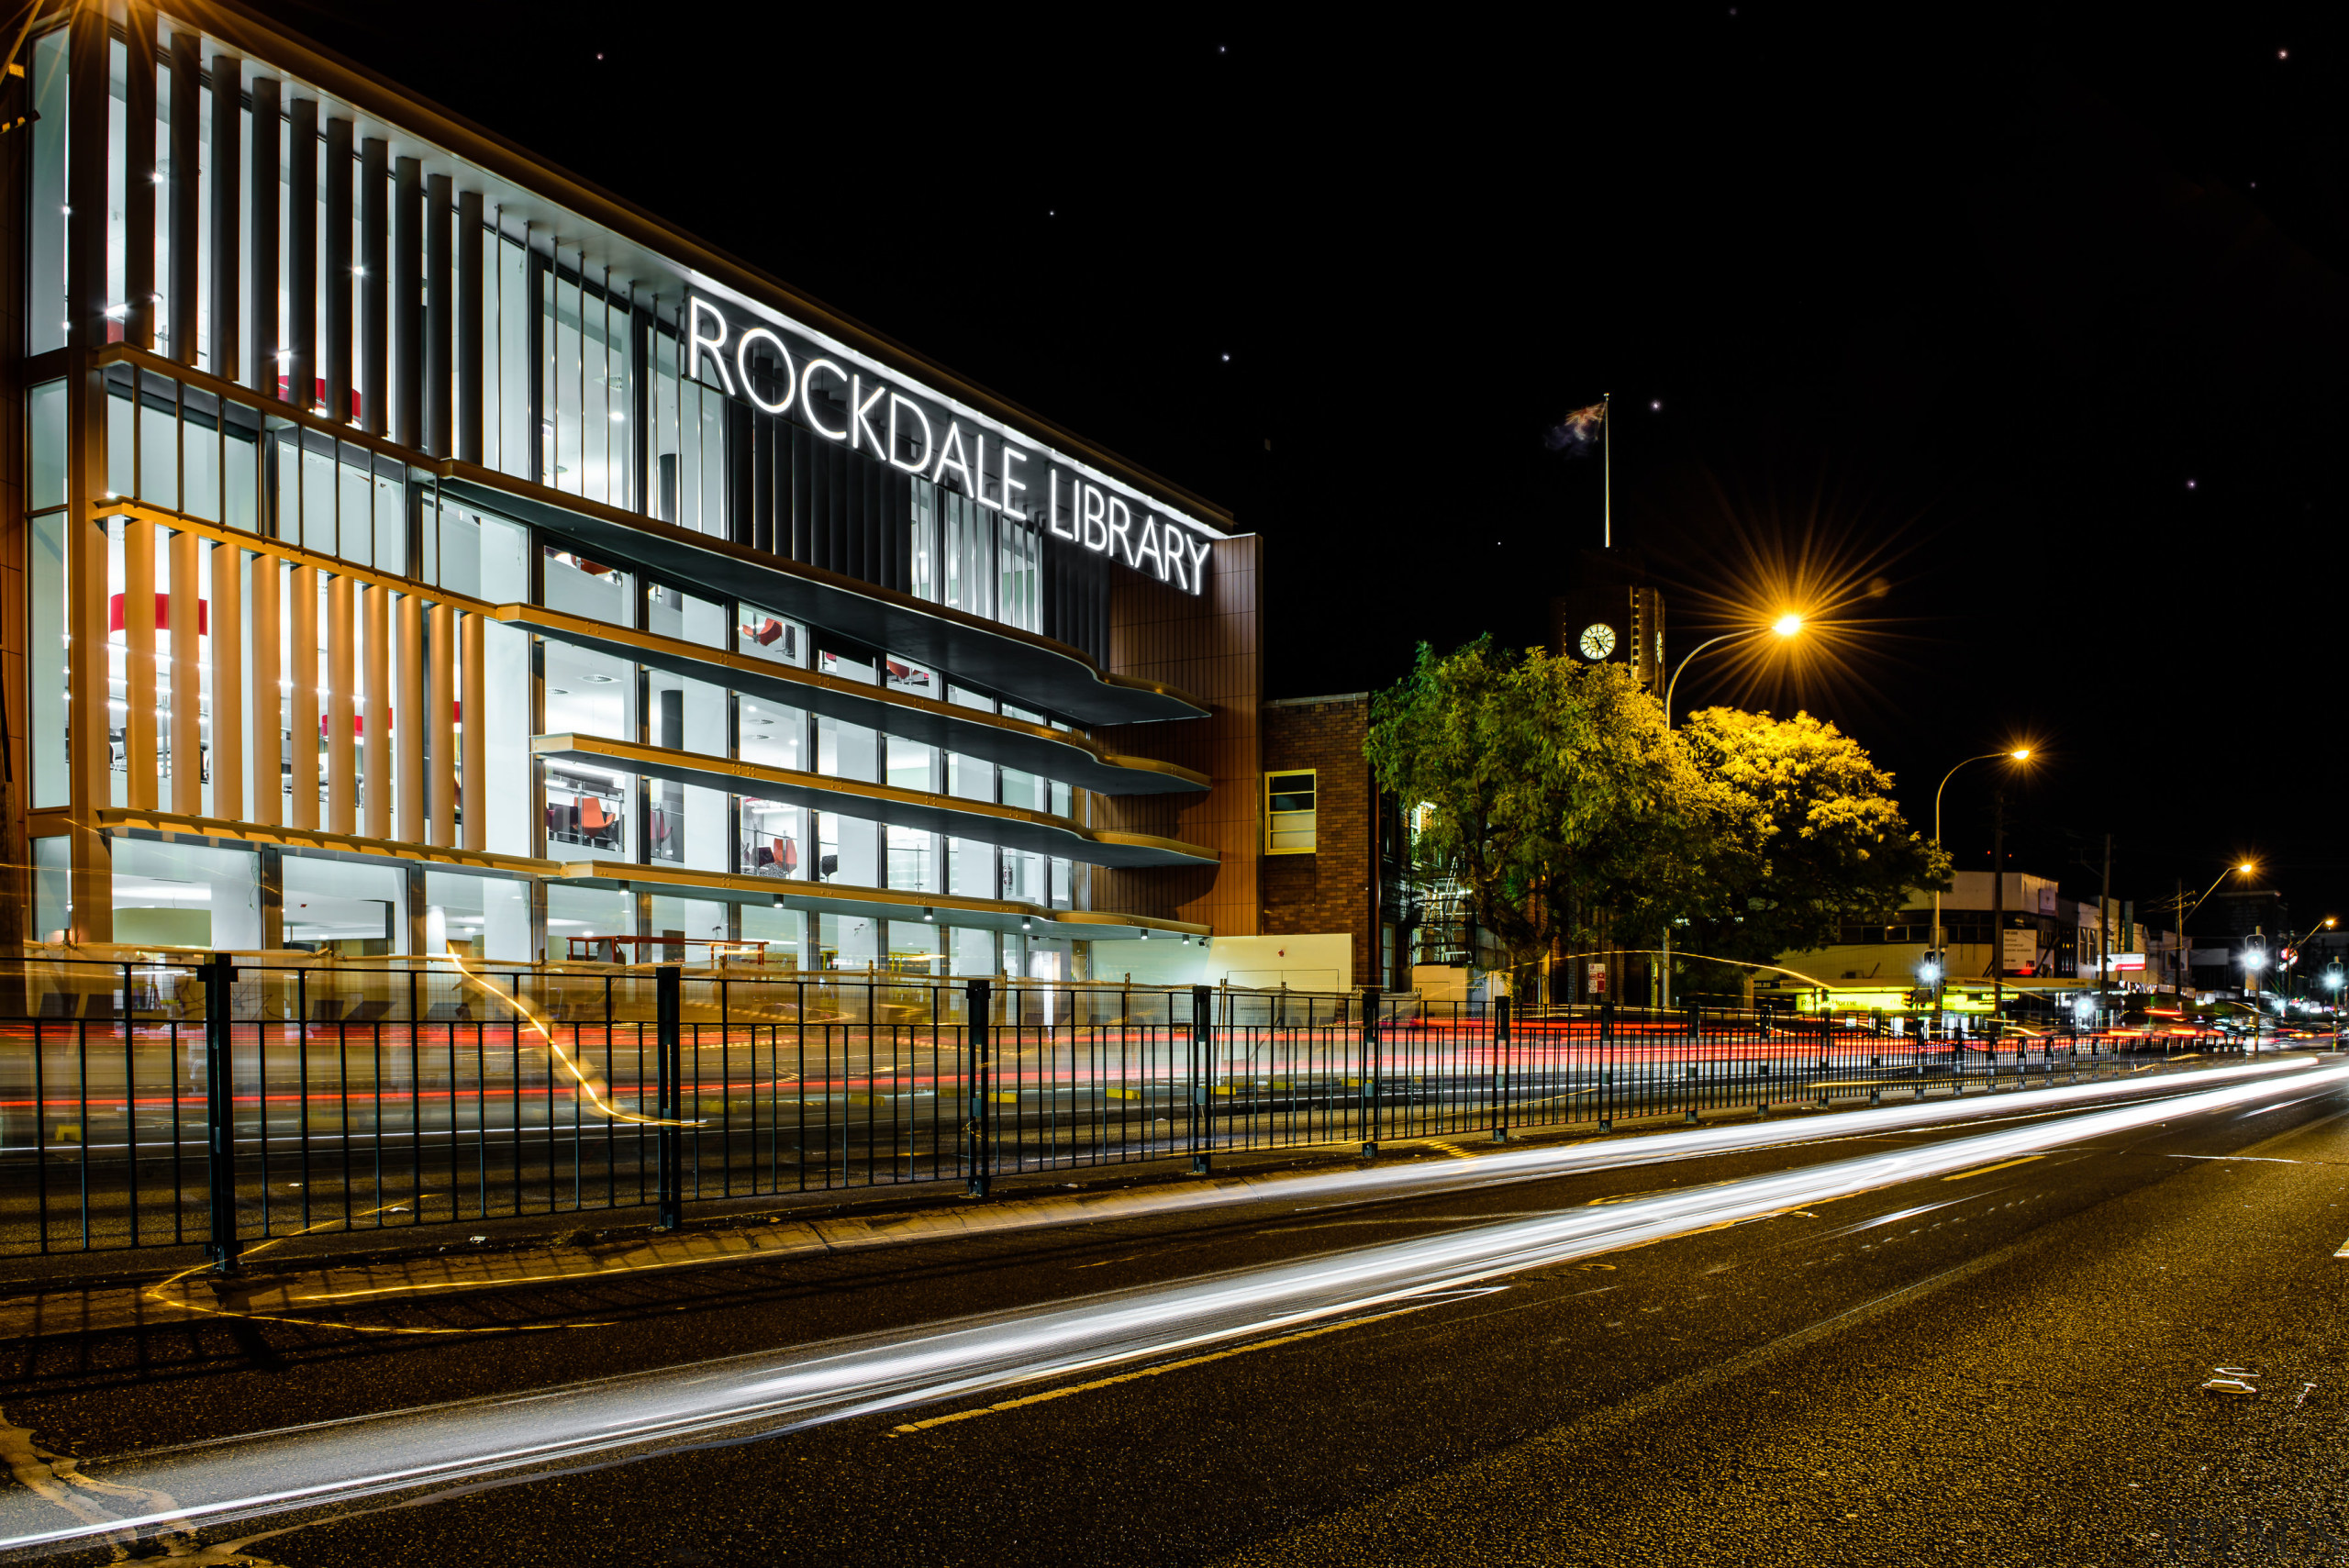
{"points": [[352, 455]]}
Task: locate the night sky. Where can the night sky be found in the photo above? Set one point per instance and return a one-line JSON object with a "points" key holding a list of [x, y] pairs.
{"points": [[2013, 352]]}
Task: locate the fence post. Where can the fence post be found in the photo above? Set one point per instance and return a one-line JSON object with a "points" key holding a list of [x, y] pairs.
{"points": [[1697, 1060], [219, 1114], [1370, 1073], [981, 1000], [1500, 1054], [1606, 1065], [1202, 1070], [667, 1006]]}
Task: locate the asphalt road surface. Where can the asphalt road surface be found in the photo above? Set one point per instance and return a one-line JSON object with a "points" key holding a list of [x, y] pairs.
{"points": [[1977, 1340]]}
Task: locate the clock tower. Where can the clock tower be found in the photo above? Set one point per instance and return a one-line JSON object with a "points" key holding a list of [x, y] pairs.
{"points": [[1612, 614]]}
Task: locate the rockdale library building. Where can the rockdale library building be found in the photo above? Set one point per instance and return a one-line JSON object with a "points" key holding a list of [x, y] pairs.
{"points": [[412, 549]]}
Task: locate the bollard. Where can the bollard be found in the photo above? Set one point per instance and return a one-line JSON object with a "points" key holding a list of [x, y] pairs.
{"points": [[668, 1061], [220, 1113], [1202, 1068], [980, 995]]}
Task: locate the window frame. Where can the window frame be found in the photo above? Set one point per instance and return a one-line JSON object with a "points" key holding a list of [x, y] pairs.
{"points": [[1273, 818]]}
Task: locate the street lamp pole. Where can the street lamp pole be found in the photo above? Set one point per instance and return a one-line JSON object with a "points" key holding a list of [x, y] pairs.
{"points": [[1787, 625], [1940, 958]]}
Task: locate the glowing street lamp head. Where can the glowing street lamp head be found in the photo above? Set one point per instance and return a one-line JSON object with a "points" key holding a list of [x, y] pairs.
{"points": [[1787, 625], [1929, 973], [2247, 868], [2020, 755]]}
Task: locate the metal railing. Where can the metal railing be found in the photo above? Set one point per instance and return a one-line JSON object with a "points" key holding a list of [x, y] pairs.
{"points": [[154, 1103]]}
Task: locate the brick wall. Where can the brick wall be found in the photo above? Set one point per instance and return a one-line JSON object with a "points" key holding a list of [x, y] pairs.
{"points": [[1335, 888]]}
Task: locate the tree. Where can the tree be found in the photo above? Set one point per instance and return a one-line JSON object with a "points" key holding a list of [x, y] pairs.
{"points": [[1814, 835], [1554, 788]]}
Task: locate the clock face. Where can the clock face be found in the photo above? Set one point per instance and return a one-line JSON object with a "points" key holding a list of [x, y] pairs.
{"points": [[1597, 640]]}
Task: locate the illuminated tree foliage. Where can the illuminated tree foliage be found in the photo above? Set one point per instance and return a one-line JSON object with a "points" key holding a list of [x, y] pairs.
{"points": [[1814, 836], [1555, 794], [1553, 789]]}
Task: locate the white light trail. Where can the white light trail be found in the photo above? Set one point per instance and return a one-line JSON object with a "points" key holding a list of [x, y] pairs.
{"points": [[770, 1392]]}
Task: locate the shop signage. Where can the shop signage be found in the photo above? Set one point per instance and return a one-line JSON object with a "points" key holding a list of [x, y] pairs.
{"points": [[845, 398]]}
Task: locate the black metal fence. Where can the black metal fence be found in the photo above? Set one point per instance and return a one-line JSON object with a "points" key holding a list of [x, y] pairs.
{"points": [[147, 1104]]}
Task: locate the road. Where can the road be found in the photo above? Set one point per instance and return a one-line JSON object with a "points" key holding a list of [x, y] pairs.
{"points": [[1973, 1333]]}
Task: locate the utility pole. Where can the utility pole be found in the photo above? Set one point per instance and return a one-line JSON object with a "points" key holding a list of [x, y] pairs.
{"points": [[2178, 970], [2103, 929], [1998, 910]]}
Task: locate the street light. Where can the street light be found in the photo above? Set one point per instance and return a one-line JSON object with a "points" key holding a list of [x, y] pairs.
{"points": [[1998, 938], [1787, 626]]}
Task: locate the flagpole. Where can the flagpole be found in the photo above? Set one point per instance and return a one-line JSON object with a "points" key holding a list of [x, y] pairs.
{"points": [[1607, 465]]}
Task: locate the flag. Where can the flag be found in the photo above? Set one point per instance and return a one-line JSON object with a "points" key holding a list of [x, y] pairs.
{"points": [[1579, 432]]}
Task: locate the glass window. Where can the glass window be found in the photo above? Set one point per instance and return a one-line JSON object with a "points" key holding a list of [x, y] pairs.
{"points": [[122, 453], [585, 392], [1023, 876], [241, 468], [846, 751], [588, 692], [905, 676], [484, 556], [200, 453], [847, 666], [847, 849], [586, 912], [579, 586], [391, 516], [505, 736], [685, 824], [52, 889], [1025, 791], [968, 548], [916, 947], [913, 865], [774, 839], [913, 766], [505, 327], [45, 667], [762, 634], [921, 553], [968, 778], [672, 612], [355, 499], [971, 954], [772, 735], [963, 696], [587, 809], [847, 942], [970, 869], [477, 917], [49, 445], [345, 908], [1289, 812], [47, 259], [685, 926], [783, 931], [1018, 594], [189, 895]]}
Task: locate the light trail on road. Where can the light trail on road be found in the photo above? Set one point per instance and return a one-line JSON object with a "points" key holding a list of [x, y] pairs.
{"points": [[767, 1393]]}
